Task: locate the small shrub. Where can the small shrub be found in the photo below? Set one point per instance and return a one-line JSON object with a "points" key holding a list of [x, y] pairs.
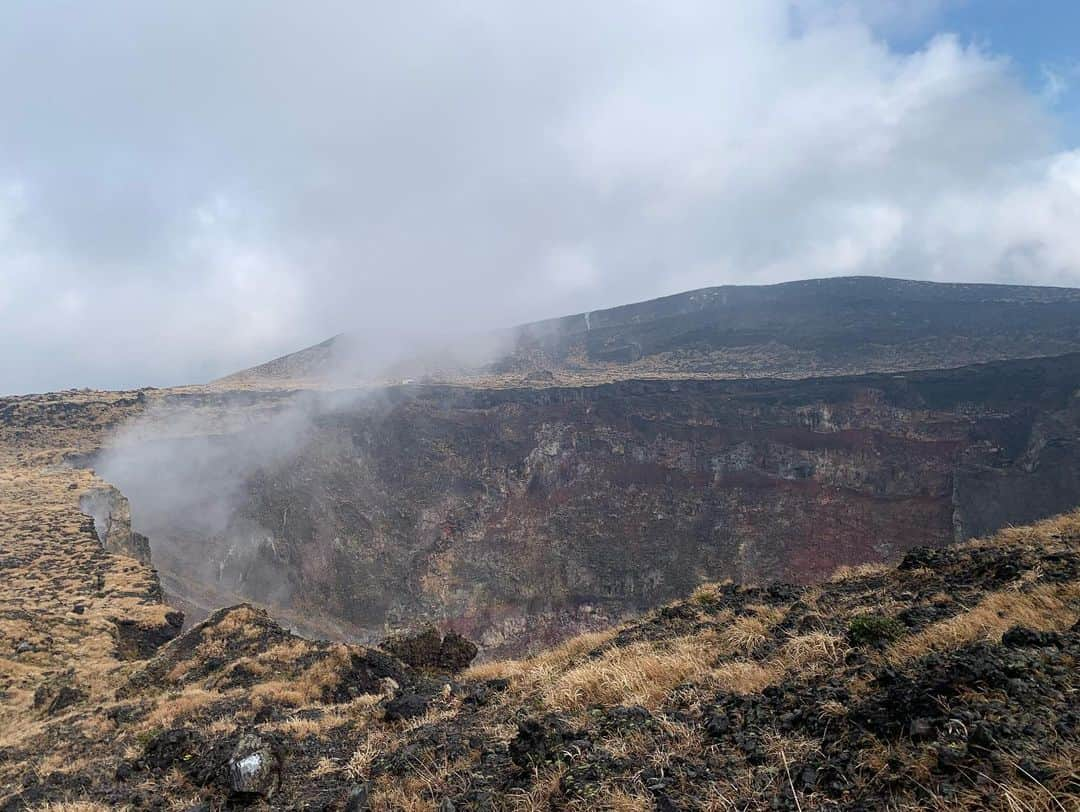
{"points": [[706, 597], [872, 630]]}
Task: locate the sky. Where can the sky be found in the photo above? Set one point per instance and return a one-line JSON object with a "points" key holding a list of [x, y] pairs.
{"points": [[187, 189]]}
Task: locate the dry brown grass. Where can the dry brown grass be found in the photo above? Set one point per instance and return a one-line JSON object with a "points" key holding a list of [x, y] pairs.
{"points": [[421, 790], [742, 676], [743, 635], [172, 709], [308, 687], [300, 728], [1047, 607], [812, 650], [1022, 795], [239, 622], [619, 800], [676, 740], [537, 798], [287, 652], [847, 573], [495, 669], [390, 797], [574, 648], [359, 763], [719, 658], [325, 673], [277, 692], [325, 766], [532, 674], [641, 674]]}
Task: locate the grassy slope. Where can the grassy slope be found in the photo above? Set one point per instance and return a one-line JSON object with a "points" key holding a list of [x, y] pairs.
{"points": [[879, 688]]}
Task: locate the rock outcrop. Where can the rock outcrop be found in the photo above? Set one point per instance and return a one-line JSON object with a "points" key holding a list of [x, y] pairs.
{"points": [[431, 650], [111, 513]]}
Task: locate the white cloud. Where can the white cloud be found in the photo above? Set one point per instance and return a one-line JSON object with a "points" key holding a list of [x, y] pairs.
{"points": [[217, 184]]}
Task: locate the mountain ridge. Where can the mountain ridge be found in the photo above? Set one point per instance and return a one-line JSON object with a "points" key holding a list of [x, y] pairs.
{"points": [[805, 328]]}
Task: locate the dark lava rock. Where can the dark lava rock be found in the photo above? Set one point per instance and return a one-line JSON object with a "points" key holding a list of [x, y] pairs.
{"points": [[430, 650], [365, 674], [138, 642], [951, 755], [254, 768], [54, 698], [456, 652], [809, 622], [204, 762], [540, 741], [918, 617], [420, 650], [921, 729], [482, 693], [625, 718], [925, 558], [406, 706], [175, 747], [680, 611], [1023, 637]]}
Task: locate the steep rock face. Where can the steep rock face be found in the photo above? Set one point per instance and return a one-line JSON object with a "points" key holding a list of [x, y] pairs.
{"points": [[111, 513], [520, 516]]}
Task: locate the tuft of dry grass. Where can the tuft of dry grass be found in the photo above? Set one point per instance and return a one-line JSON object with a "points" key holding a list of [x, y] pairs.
{"points": [[805, 651], [287, 652], [370, 747], [744, 635], [239, 622], [641, 674], [742, 676], [172, 709], [538, 796], [299, 728], [277, 692], [847, 573], [619, 800]]}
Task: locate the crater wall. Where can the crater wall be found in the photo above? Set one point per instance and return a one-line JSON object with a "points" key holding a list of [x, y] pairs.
{"points": [[521, 516]]}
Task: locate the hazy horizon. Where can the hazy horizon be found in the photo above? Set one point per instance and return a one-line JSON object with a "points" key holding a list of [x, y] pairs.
{"points": [[189, 191]]}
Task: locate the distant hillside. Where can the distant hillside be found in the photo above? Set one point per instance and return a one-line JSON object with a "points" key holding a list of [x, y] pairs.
{"points": [[796, 329]]}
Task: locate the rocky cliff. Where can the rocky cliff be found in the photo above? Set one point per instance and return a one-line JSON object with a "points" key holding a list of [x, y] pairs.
{"points": [[519, 516]]}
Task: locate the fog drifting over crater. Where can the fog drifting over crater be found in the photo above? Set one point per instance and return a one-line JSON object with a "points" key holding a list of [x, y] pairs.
{"points": [[191, 189]]}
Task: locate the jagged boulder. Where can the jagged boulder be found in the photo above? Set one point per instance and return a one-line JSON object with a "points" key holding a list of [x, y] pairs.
{"points": [[430, 650], [541, 740], [254, 768], [407, 706], [111, 513], [1023, 637]]}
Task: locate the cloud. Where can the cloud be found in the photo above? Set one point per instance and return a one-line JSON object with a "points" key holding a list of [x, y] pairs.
{"points": [[190, 189]]}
